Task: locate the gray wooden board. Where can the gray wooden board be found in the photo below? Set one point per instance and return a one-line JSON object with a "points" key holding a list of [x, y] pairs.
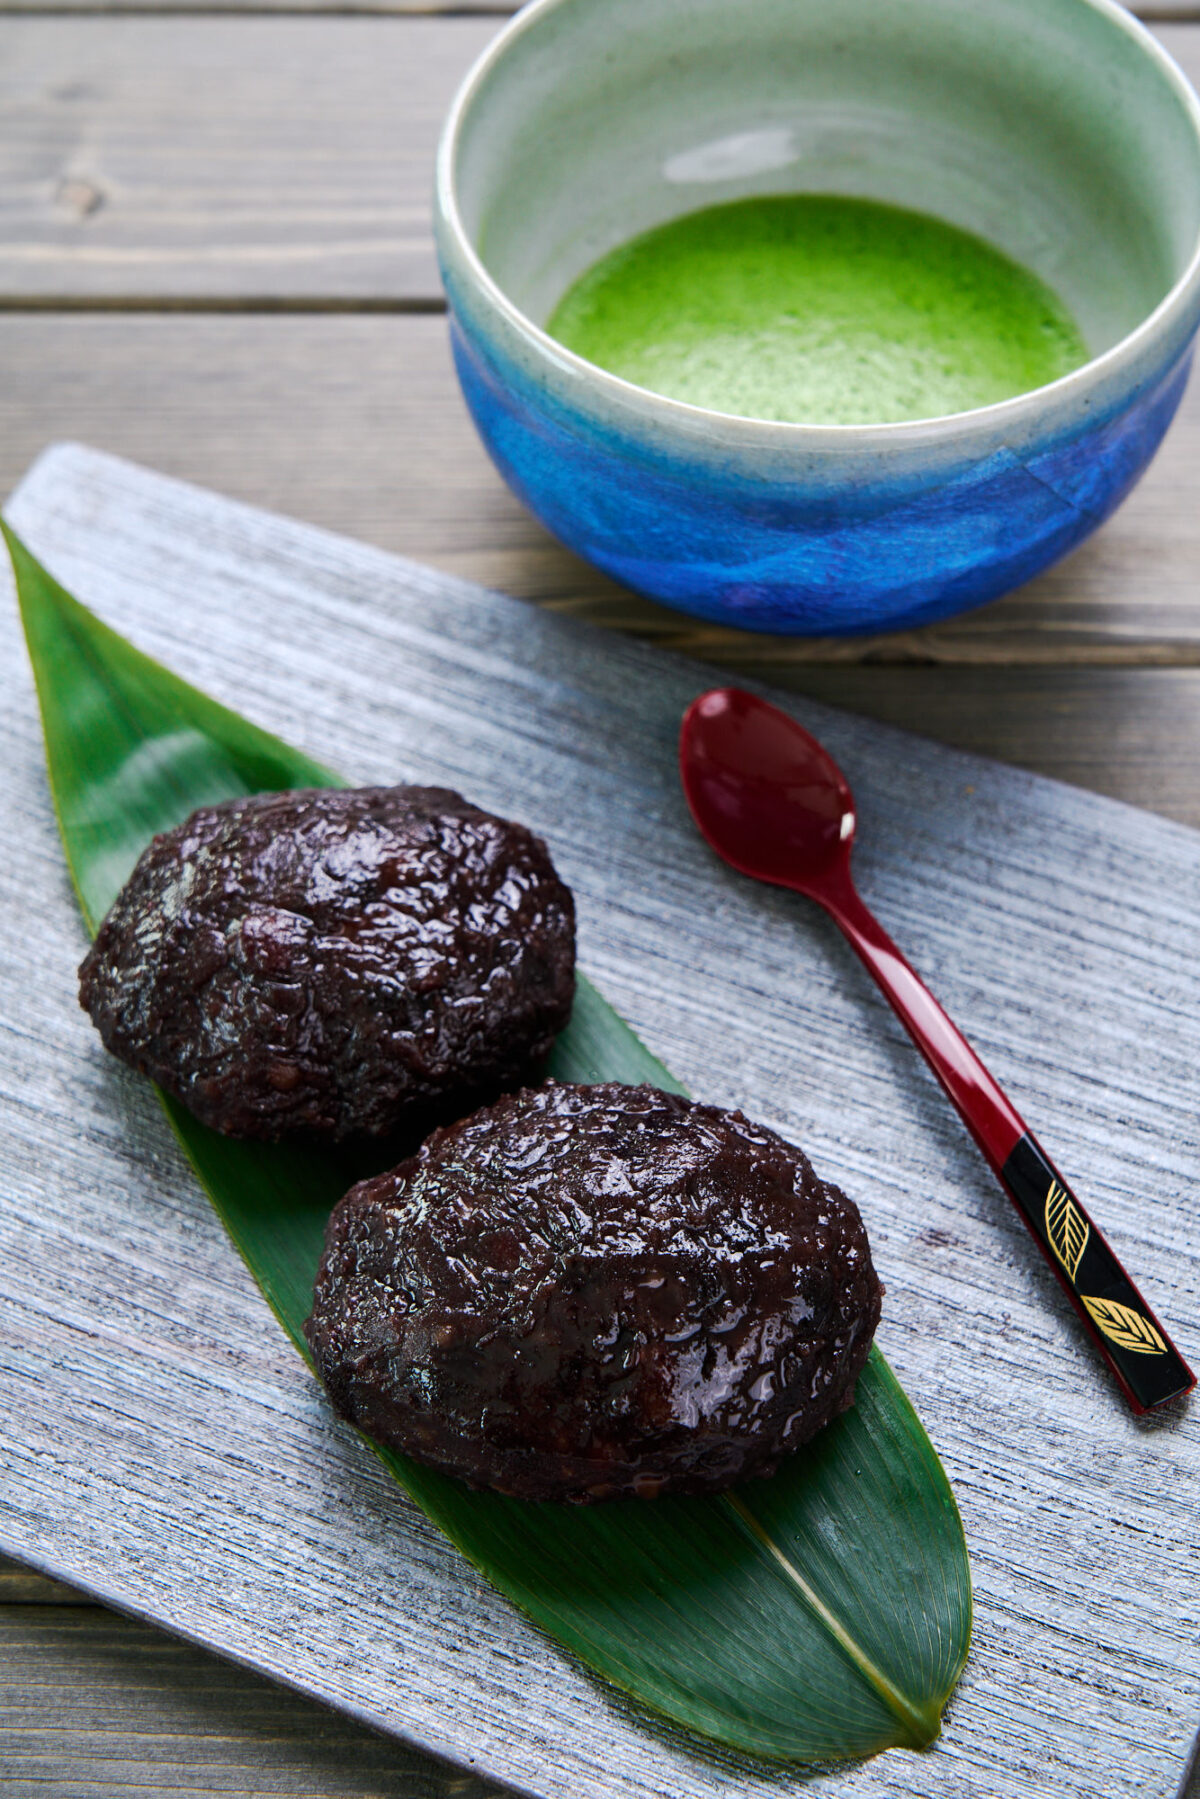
{"points": [[165, 1449]]}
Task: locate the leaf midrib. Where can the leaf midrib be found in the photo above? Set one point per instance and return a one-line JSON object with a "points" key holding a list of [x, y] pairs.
{"points": [[923, 1724]]}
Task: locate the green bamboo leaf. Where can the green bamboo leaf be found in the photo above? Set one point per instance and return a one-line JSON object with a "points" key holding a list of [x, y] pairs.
{"points": [[822, 1614]]}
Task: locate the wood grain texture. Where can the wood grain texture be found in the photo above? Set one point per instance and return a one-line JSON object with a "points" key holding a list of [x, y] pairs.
{"points": [[95, 1706], [1057, 927], [204, 156], [99, 1706], [1133, 734], [249, 157], [358, 424], [22, 1586]]}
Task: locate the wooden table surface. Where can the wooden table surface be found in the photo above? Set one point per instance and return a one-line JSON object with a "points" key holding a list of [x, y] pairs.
{"points": [[215, 258]]}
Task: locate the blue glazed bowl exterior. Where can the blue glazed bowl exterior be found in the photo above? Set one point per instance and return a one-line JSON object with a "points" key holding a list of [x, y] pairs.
{"points": [[901, 545], [1062, 120]]}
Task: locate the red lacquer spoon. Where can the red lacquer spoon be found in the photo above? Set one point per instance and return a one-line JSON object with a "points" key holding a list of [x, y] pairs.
{"points": [[775, 805]]}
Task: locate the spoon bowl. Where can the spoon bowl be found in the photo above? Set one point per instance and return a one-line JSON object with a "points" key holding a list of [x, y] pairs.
{"points": [[764, 793]]}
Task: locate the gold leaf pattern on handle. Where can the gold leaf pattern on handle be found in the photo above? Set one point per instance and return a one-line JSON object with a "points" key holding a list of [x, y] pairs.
{"points": [[1124, 1327], [1066, 1227]]}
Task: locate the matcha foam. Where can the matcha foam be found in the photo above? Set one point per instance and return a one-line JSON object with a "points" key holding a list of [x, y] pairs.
{"points": [[816, 309]]}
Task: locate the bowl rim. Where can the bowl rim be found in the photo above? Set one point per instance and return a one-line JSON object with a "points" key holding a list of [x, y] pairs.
{"points": [[628, 396]]}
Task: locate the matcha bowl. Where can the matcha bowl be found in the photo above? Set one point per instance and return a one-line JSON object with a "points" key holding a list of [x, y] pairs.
{"points": [[1058, 131]]}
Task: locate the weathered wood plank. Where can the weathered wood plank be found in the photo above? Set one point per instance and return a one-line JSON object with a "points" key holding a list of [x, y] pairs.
{"points": [[357, 424], [207, 156], [96, 1706], [1058, 928], [256, 157], [21, 1586], [1133, 734]]}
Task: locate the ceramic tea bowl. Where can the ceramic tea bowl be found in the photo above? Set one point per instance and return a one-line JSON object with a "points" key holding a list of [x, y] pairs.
{"points": [[1058, 130]]}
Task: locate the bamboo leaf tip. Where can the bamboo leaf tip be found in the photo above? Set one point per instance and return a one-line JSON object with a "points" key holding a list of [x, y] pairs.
{"points": [[927, 1725]]}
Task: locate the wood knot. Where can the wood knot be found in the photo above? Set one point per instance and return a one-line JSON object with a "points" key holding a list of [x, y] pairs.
{"points": [[79, 197]]}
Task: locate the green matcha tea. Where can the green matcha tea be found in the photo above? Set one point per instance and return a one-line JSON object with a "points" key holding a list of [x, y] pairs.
{"points": [[819, 310]]}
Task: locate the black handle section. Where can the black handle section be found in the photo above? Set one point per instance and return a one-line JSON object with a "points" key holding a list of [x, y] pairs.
{"points": [[1120, 1323]]}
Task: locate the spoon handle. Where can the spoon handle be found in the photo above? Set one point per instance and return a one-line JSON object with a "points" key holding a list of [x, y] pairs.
{"points": [[1148, 1368]]}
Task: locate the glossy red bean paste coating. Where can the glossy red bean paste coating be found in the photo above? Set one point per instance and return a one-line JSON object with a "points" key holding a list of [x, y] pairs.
{"points": [[589, 1291], [324, 963]]}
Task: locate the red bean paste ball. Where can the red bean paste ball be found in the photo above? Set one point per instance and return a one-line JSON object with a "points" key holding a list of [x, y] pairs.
{"points": [[584, 1292], [327, 963]]}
